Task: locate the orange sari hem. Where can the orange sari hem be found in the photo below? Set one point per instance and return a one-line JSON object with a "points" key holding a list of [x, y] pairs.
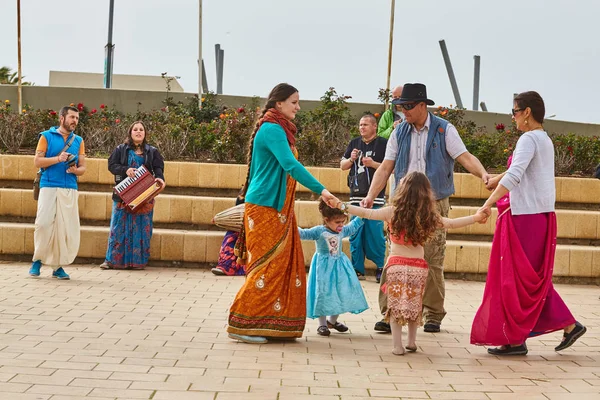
{"points": [[272, 301]]}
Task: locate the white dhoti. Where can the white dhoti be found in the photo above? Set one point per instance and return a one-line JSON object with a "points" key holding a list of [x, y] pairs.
{"points": [[56, 236]]}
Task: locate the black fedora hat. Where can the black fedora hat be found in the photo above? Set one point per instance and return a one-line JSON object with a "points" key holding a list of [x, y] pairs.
{"points": [[413, 93]]}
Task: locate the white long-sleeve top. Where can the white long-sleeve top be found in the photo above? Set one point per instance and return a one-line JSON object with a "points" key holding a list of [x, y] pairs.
{"points": [[530, 177]]}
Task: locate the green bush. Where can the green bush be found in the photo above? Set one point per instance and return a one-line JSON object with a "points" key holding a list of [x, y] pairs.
{"points": [[182, 131], [324, 133]]}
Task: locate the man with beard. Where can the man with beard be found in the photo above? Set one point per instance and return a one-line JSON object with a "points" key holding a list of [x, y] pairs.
{"points": [[60, 154]]}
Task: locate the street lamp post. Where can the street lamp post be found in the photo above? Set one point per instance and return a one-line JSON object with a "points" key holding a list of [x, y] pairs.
{"points": [[20, 75], [110, 47], [200, 63], [389, 69]]}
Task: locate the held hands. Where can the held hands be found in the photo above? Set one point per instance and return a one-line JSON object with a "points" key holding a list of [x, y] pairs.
{"points": [[493, 182], [486, 178], [330, 199], [483, 214]]}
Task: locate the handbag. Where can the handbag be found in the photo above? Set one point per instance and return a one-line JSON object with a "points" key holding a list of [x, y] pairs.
{"points": [[38, 176], [359, 183]]}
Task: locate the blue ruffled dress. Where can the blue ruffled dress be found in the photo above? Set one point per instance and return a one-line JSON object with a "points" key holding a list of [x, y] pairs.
{"points": [[333, 287]]}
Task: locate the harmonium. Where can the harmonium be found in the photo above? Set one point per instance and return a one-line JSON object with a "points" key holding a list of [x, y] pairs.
{"points": [[137, 190]]}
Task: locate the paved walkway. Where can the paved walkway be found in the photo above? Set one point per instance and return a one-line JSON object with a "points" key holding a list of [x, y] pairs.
{"points": [[160, 334]]}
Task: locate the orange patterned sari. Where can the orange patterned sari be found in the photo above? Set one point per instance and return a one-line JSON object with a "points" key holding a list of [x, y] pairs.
{"points": [[272, 302]]}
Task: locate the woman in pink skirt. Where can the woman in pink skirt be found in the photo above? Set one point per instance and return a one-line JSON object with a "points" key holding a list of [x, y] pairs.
{"points": [[519, 300]]}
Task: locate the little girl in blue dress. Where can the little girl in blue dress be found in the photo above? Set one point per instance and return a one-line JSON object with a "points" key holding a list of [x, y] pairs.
{"points": [[333, 287]]}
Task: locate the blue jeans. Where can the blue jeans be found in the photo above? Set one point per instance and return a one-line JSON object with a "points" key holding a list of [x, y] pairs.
{"points": [[369, 242]]}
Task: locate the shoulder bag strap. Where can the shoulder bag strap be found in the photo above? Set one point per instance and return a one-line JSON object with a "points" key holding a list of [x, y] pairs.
{"points": [[69, 143]]}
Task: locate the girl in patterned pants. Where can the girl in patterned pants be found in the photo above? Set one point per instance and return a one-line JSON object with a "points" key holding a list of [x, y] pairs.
{"points": [[412, 220]]}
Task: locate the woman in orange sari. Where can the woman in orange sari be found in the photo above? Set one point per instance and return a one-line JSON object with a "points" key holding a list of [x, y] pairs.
{"points": [[272, 302]]}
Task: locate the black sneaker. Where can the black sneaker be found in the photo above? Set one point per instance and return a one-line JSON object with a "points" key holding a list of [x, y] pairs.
{"points": [[323, 331], [431, 327], [570, 338], [508, 350], [360, 276], [382, 326], [338, 326], [378, 274]]}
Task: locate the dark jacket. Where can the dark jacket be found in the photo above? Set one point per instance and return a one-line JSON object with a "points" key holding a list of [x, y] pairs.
{"points": [[118, 166]]}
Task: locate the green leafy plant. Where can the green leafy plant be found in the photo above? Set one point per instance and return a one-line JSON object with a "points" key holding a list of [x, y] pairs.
{"points": [[326, 130]]}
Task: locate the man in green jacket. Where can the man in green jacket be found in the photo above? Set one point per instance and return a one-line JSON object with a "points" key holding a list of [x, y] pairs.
{"points": [[391, 117]]}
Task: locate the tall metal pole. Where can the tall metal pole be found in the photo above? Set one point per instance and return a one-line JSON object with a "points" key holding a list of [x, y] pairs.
{"points": [[19, 83], [220, 72], [204, 80], [459, 103], [217, 59], [476, 82], [389, 69], [201, 73], [108, 67]]}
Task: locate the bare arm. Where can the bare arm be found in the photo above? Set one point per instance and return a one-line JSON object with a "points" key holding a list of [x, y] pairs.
{"points": [[380, 178], [381, 214], [493, 181], [346, 164], [473, 165], [41, 161], [496, 195], [453, 223]]}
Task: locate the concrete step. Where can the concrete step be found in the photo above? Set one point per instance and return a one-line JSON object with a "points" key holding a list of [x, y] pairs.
{"points": [[233, 176], [169, 245], [195, 210]]}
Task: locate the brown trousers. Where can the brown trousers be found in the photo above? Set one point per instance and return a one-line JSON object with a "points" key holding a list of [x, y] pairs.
{"points": [[435, 289]]}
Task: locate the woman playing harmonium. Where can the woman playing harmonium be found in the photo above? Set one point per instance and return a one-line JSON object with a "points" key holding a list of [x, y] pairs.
{"points": [[131, 231]]}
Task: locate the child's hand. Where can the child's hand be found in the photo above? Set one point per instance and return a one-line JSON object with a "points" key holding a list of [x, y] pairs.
{"points": [[482, 215]]}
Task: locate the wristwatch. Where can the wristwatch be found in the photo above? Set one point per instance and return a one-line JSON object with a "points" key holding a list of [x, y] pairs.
{"points": [[344, 208]]}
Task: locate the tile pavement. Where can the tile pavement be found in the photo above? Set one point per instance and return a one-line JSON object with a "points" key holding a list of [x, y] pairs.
{"points": [[160, 334]]}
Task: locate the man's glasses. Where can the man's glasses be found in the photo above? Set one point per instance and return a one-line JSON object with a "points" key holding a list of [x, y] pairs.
{"points": [[408, 106], [516, 110]]}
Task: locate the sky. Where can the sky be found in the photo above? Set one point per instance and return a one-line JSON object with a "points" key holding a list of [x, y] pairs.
{"points": [[550, 46]]}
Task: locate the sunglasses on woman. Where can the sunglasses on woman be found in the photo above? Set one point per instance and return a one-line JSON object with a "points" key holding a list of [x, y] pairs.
{"points": [[516, 110]]}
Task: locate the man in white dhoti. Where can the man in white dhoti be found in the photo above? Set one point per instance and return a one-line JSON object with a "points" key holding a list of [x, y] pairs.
{"points": [[60, 154]]}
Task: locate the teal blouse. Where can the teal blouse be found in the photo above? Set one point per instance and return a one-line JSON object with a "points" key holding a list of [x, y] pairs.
{"points": [[272, 161]]}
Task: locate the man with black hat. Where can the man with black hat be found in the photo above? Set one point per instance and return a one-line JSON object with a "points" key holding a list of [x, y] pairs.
{"points": [[427, 143]]}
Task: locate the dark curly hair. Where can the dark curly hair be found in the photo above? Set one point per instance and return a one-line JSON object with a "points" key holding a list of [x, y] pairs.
{"points": [[415, 212], [328, 212]]}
